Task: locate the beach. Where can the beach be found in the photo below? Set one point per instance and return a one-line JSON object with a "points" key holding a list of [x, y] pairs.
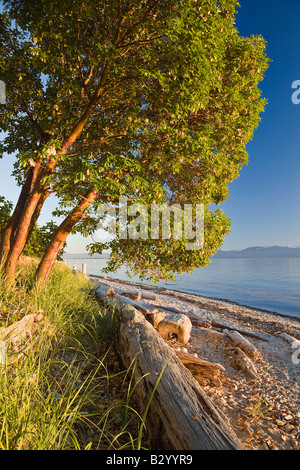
{"points": [[264, 410]]}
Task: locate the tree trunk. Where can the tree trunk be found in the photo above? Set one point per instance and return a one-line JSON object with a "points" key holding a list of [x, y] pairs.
{"points": [[8, 232], [50, 256], [20, 224], [22, 230], [12, 251], [37, 212]]}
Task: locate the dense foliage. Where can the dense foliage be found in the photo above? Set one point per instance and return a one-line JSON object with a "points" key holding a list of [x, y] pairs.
{"points": [[153, 100]]}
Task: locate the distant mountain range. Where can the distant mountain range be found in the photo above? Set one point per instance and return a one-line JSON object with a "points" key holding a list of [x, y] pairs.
{"points": [[251, 252], [261, 252]]}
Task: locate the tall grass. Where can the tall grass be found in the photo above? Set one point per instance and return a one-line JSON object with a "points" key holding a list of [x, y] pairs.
{"points": [[66, 391]]}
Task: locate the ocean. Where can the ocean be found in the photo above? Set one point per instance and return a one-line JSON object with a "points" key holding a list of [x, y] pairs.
{"points": [[271, 284]]}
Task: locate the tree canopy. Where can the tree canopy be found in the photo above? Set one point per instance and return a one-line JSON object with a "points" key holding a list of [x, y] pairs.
{"points": [[151, 100]]}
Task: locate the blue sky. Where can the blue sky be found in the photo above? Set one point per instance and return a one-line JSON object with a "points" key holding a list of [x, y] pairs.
{"points": [[264, 205], [265, 200]]}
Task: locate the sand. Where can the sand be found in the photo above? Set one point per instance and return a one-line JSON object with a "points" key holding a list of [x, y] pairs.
{"points": [[264, 412]]}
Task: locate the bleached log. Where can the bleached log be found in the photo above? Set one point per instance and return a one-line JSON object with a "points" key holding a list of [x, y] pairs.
{"points": [[118, 301], [153, 312], [290, 339], [103, 290], [175, 326], [181, 416], [215, 335], [110, 291], [200, 368], [146, 295], [242, 332], [143, 307], [187, 358], [18, 336], [244, 363], [243, 344], [155, 318], [200, 321], [132, 295]]}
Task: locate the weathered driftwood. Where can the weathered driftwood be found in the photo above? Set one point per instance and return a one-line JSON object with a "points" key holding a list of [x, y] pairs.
{"points": [[102, 293], [242, 332], [180, 416], [215, 335], [175, 326], [103, 290], [200, 368], [144, 308], [243, 344], [19, 336], [169, 325], [199, 322], [147, 295], [132, 295], [290, 339], [155, 318], [110, 291], [244, 363]]}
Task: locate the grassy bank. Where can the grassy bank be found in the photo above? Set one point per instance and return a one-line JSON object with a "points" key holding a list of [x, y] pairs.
{"points": [[67, 389]]}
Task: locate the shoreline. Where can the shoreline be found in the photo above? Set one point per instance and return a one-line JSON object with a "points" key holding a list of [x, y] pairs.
{"points": [[262, 288], [168, 291], [264, 411]]}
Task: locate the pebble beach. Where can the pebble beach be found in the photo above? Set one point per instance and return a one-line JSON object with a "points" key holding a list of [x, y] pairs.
{"points": [[263, 411]]}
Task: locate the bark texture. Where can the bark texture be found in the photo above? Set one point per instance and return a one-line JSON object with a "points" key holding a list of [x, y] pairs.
{"points": [[8, 233], [181, 416], [50, 256]]}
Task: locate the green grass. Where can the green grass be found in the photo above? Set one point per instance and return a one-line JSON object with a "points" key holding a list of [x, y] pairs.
{"points": [[68, 390]]}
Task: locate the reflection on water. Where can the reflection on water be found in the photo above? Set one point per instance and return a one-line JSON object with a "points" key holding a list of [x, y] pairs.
{"points": [[266, 283]]}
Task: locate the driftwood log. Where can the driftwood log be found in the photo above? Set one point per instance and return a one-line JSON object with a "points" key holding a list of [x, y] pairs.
{"points": [[200, 368], [175, 325], [181, 416], [215, 335], [244, 363], [290, 339], [117, 299], [149, 296], [169, 325], [243, 344], [132, 295]]}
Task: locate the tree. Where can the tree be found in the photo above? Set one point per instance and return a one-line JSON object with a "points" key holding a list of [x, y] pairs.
{"points": [[39, 240], [39, 237], [5, 211], [151, 100]]}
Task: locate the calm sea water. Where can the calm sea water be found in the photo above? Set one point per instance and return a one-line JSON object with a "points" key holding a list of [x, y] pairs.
{"points": [[266, 283]]}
